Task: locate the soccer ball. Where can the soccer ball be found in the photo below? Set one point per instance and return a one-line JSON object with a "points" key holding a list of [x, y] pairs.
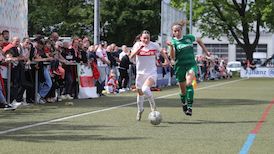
{"points": [[155, 117]]}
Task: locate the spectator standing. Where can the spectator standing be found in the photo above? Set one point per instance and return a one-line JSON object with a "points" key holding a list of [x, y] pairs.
{"points": [[12, 55], [102, 64], [54, 37], [57, 73], [70, 72], [26, 82], [45, 82], [113, 57], [123, 68]]}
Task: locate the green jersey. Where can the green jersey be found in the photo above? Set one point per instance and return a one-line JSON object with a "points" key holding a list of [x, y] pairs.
{"points": [[184, 52]]}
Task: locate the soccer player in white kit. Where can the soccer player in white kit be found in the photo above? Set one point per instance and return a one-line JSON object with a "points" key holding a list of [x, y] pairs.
{"points": [[145, 53]]}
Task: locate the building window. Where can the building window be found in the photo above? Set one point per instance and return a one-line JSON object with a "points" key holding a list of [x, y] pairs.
{"points": [[219, 50], [241, 56]]}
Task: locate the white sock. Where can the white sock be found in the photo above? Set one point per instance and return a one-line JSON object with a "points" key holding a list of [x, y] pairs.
{"points": [[140, 102], [152, 103], [146, 90]]}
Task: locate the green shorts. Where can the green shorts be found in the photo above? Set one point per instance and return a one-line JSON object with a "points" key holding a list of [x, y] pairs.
{"points": [[181, 71]]}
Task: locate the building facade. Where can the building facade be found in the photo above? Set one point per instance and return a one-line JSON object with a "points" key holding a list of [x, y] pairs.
{"points": [[233, 52]]}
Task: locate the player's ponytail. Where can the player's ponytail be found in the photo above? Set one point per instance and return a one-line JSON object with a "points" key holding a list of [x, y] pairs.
{"points": [[181, 23], [137, 38]]}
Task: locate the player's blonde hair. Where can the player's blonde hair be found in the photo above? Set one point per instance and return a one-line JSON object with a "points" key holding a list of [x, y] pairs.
{"points": [[181, 24]]}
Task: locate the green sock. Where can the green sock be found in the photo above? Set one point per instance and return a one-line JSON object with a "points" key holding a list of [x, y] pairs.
{"points": [[189, 95], [183, 98]]}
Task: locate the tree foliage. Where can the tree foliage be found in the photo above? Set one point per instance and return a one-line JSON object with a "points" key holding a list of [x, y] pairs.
{"points": [[236, 19], [68, 17], [268, 14], [197, 6], [121, 20]]}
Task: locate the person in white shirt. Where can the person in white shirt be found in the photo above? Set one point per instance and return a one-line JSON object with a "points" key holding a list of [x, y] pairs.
{"points": [[124, 52], [145, 52], [102, 64]]}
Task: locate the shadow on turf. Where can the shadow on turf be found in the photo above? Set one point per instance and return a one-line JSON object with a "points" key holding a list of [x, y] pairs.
{"points": [[48, 133], [54, 126], [69, 137], [111, 101], [210, 102], [198, 122]]}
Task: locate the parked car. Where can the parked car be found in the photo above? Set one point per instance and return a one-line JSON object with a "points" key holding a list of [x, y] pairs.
{"points": [[233, 66], [269, 62]]}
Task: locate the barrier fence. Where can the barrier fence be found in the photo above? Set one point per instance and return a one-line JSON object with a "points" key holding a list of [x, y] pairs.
{"points": [[36, 83], [85, 80]]}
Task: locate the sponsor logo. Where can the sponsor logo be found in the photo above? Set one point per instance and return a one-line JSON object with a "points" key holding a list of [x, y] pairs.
{"points": [[147, 53], [256, 72], [184, 46], [188, 41]]}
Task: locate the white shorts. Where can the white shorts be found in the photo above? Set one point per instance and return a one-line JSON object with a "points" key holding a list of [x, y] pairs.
{"points": [[141, 79]]}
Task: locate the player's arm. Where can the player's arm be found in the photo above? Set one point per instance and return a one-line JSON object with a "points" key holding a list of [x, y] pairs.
{"points": [[200, 42], [172, 51], [135, 50]]}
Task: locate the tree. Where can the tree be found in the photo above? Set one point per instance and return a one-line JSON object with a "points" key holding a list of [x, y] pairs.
{"points": [[268, 13], [236, 19], [197, 6], [122, 20], [68, 17]]}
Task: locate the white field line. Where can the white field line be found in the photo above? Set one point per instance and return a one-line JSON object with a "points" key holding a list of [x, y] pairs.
{"points": [[97, 111]]}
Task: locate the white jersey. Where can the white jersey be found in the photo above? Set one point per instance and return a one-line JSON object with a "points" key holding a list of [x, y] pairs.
{"points": [[146, 58]]}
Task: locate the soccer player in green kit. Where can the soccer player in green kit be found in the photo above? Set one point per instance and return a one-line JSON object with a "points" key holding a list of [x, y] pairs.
{"points": [[182, 52]]}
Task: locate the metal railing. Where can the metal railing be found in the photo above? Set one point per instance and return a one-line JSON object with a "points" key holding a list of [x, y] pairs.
{"points": [[36, 83]]}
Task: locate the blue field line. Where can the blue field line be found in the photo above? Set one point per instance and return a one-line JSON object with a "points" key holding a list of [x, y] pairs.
{"points": [[248, 144]]}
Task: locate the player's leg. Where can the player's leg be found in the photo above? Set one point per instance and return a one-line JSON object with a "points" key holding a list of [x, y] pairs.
{"points": [[183, 95], [180, 73], [140, 104], [189, 89], [140, 96], [150, 81]]}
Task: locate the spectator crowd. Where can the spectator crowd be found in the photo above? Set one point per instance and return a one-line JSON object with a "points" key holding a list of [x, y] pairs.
{"points": [[55, 61]]}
